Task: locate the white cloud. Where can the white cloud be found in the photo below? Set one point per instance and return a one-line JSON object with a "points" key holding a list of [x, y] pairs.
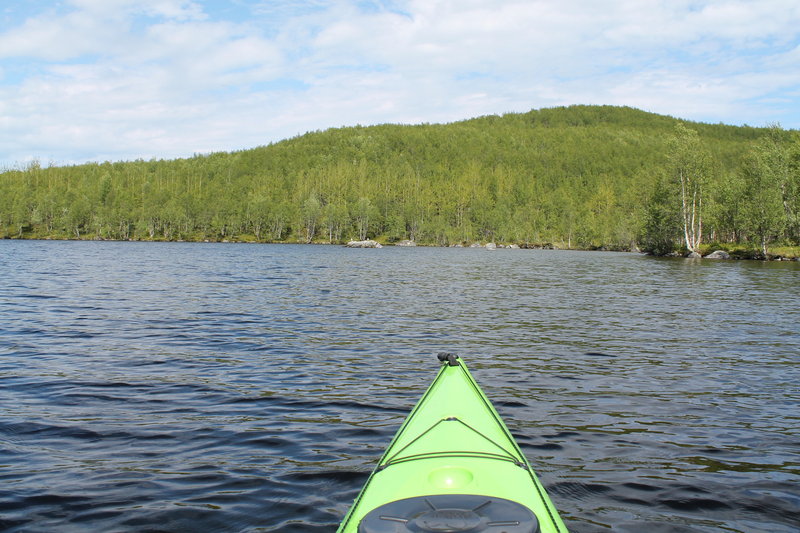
{"points": [[89, 27], [56, 38], [173, 9], [165, 78]]}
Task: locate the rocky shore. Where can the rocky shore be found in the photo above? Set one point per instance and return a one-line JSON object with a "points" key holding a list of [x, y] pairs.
{"points": [[369, 243]]}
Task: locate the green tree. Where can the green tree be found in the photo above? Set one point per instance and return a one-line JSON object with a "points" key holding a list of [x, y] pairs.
{"points": [[662, 220], [766, 172], [335, 218], [77, 215], [727, 208], [364, 213], [280, 215], [689, 164], [257, 212], [311, 212], [791, 191]]}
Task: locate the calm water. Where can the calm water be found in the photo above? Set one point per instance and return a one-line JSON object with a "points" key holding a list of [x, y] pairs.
{"points": [[213, 387]]}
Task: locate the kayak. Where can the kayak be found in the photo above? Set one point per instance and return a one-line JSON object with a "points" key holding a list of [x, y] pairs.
{"points": [[453, 466]]}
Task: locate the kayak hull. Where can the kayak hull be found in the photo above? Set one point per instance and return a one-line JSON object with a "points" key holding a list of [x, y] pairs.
{"points": [[453, 443]]}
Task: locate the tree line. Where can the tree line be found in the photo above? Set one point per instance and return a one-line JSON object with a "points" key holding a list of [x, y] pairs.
{"points": [[695, 199], [575, 177]]}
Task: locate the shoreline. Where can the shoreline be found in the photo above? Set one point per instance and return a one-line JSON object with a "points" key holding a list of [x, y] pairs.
{"points": [[735, 253]]}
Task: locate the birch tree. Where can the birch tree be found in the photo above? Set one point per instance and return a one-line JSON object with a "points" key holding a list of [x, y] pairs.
{"points": [[767, 173], [311, 212], [690, 167]]}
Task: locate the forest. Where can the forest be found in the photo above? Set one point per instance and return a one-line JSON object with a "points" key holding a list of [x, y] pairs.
{"points": [[580, 177]]}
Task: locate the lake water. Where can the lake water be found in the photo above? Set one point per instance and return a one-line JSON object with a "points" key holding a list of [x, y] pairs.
{"points": [[232, 387]]}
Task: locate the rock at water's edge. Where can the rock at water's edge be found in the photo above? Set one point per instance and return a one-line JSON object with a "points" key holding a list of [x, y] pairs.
{"points": [[719, 254], [369, 243], [694, 255], [406, 243]]}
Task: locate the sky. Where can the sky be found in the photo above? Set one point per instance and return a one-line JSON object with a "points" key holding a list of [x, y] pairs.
{"points": [[110, 80]]}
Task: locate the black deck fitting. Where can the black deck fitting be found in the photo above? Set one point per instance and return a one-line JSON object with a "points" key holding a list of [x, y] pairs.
{"points": [[451, 358]]}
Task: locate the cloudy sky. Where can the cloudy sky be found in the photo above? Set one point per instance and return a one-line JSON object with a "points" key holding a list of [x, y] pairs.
{"points": [[96, 80]]}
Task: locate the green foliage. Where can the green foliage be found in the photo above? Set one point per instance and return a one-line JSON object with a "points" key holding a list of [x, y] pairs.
{"points": [[577, 177], [662, 227], [767, 176], [689, 166], [726, 207]]}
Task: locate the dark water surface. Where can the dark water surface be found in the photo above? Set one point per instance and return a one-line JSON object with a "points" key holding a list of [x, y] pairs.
{"points": [[213, 387]]}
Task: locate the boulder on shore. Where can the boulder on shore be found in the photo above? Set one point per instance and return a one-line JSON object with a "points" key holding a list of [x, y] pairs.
{"points": [[406, 243], [719, 254], [369, 243], [694, 255], [491, 246]]}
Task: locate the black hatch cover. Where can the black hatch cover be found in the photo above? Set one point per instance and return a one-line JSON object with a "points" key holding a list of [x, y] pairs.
{"points": [[450, 513]]}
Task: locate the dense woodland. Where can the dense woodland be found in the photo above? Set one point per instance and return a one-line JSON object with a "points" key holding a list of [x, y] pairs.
{"points": [[577, 177]]}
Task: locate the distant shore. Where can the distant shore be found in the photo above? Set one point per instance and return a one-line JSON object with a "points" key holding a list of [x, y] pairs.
{"points": [[733, 251]]}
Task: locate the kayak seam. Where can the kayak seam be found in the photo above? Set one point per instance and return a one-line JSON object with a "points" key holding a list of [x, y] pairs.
{"points": [[439, 455], [392, 459], [540, 490], [536, 483]]}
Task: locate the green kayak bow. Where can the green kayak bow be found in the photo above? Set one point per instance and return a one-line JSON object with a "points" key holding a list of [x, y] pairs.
{"points": [[453, 467]]}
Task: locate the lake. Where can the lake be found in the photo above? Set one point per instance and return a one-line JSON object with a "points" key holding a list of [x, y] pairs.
{"points": [[235, 387]]}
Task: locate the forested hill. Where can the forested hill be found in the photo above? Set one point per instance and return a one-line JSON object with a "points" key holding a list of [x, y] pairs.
{"points": [[579, 177]]}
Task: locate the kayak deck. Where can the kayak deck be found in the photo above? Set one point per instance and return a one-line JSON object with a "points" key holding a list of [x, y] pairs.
{"points": [[453, 444]]}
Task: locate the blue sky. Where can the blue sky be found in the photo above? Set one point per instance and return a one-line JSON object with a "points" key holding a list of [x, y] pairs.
{"points": [[96, 80]]}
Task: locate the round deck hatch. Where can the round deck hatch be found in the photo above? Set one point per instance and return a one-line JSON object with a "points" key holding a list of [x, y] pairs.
{"points": [[450, 513]]}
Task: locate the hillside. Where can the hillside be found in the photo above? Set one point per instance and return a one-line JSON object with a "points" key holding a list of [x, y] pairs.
{"points": [[576, 177]]}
